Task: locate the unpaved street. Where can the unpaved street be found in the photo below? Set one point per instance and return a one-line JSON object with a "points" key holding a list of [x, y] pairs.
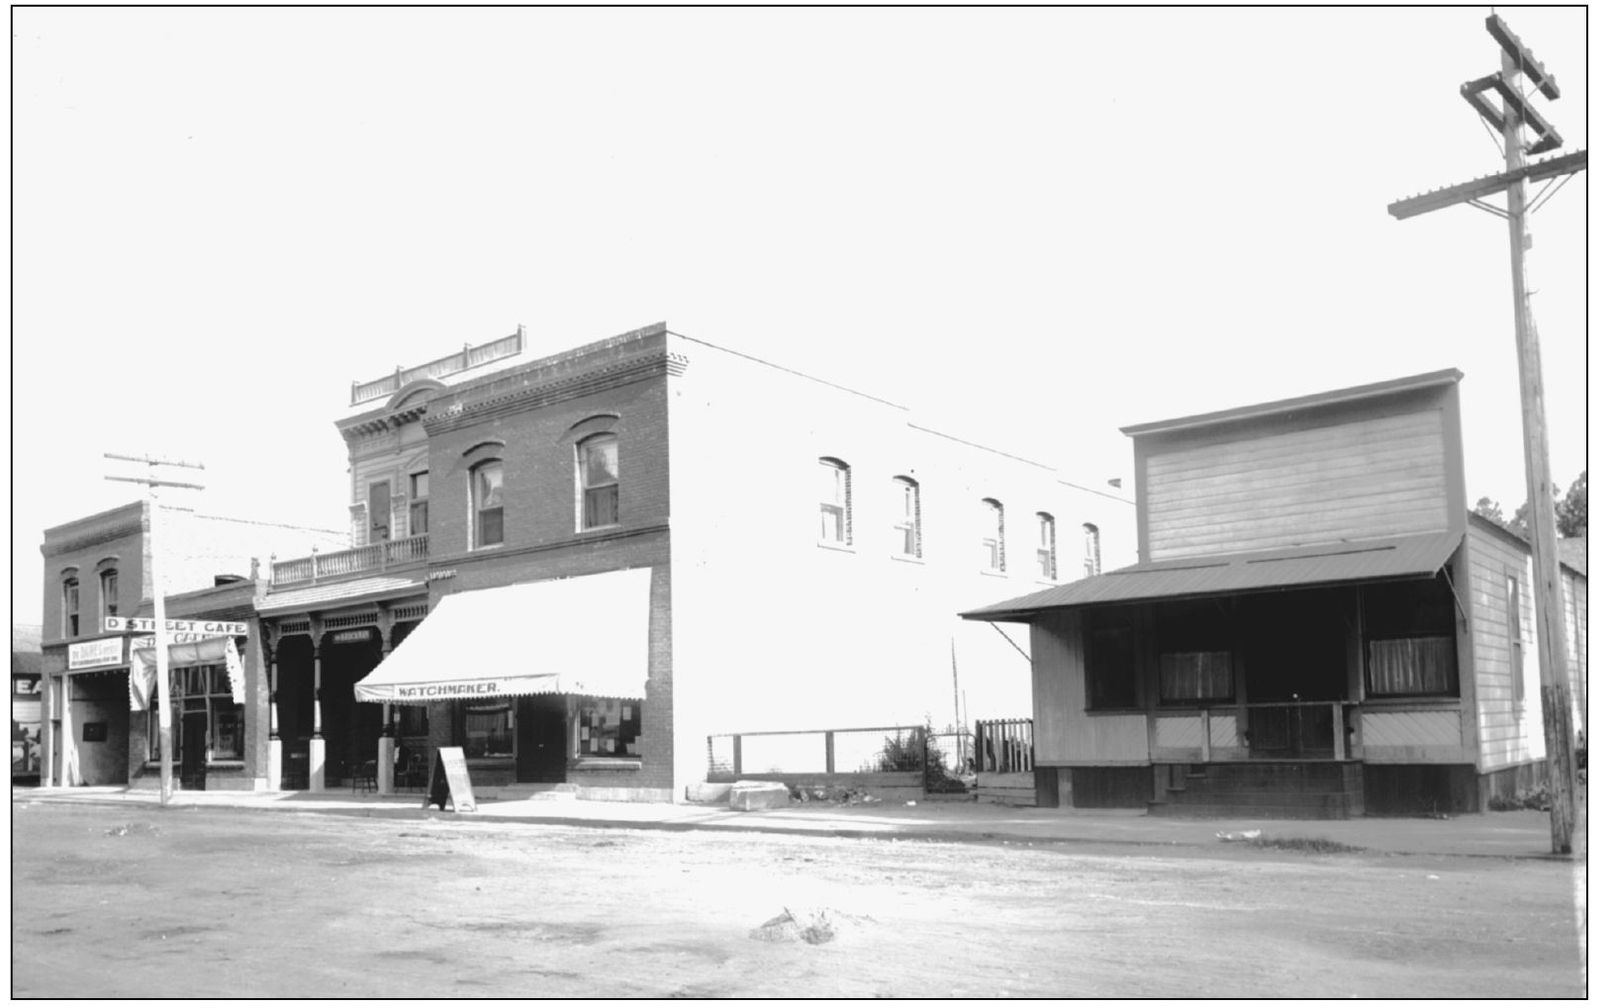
{"points": [[123, 902]]}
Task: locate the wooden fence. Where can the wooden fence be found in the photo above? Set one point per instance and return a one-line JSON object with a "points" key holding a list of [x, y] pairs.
{"points": [[1004, 762]]}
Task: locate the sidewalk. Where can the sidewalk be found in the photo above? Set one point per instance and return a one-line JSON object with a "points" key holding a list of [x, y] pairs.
{"points": [[1523, 834]]}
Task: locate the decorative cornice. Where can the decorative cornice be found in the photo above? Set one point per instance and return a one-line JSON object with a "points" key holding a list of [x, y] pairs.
{"points": [[597, 379], [87, 540], [373, 423]]}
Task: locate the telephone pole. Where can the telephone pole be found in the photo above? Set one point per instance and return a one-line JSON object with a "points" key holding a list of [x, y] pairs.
{"points": [[165, 718], [1512, 119]]}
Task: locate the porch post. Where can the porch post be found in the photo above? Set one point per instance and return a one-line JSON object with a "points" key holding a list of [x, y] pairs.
{"points": [[386, 746], [1204, 735], [316, 744], [1339, 730], [273, 770]]}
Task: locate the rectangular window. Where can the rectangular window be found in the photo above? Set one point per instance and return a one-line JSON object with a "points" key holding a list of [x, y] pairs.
{"points": [[201, 688], [1045, 547], [1516, 638], [1112, 680], [490, 730], [419, 486], [834, 525], [70, 607], [1411, 633], [109, 593], [907, 514], [1091, 564], [487, 491], [380, 512], [608, 727], [991, 535], [1196, 676], [598, 476]]}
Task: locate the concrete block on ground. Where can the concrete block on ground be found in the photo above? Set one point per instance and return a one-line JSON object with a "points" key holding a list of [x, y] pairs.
{"points": [[749, 796], [708, 792]]}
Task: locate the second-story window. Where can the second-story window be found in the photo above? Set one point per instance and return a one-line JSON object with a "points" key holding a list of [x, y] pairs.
{"points": [[834, 502], [109, 593], [1047, 563], [1091, 563], [907, 516], [597, 480], [70, 607], [1515, 640], [487, 504], [419, 487], [991, 535], [380, 511]]}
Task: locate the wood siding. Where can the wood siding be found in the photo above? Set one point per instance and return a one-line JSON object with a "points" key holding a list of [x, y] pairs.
{"points": [[1356, 479], [1509, 728], [1064, 730], [1576, 613]]}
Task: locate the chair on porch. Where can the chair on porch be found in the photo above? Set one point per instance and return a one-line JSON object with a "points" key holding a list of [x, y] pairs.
{"points": [[411, 773], [364, 777]]}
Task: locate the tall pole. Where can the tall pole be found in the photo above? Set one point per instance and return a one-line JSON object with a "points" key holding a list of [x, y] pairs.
{"points": [[1511, 118], [159, 614], [1555, 703]]}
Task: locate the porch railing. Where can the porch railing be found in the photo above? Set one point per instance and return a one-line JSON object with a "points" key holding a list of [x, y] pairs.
{"points": [[1300, 729], [374, 557], [1003, 746]]}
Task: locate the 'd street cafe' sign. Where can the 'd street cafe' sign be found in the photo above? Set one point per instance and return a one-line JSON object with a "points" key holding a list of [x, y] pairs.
{"points": [[194, 629]]}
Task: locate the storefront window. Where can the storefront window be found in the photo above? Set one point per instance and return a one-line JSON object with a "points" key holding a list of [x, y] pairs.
{"points": [[1411, 638], [202, 688], [608, 726], [489, 730]]}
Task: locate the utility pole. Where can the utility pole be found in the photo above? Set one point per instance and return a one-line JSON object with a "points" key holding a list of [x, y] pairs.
{"points": [[1511, 120], [165, 718]]}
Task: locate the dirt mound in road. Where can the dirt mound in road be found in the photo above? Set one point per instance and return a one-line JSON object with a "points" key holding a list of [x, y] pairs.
{"points": [[815, 927]]}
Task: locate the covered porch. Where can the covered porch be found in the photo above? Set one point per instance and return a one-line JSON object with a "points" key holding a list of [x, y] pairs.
{"points": [[1271, 681]]}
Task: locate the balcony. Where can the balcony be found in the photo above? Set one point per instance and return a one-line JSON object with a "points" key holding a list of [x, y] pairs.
{"points": [[466, 359], [375, 557]]}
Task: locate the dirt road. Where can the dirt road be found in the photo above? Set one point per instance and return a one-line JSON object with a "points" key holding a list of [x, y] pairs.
{"points": [[114, 902]]}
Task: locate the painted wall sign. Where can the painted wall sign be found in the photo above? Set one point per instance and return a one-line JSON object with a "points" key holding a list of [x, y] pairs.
{"points": [[362, 636], [202, 628], [95, 653]]}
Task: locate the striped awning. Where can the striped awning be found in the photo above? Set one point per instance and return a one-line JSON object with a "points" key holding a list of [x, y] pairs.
{"points": [[1307, 566]]}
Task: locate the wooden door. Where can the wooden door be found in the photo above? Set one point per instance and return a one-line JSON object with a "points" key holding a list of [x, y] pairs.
{"points": [[543, 739]]}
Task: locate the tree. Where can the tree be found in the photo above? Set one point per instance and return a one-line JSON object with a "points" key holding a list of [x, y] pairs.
{"points": [[1572, 512]]}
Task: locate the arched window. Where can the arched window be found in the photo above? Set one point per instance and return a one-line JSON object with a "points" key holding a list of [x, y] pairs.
{"points": [[992, 535], [906, 511], [597, 481], [70, 606], [1047, 562], [1091, 563], [487, 504], [835, 502], [109, 592]]}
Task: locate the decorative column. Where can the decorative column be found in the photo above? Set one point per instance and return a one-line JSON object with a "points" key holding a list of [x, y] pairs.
{"points": [[316, 745], [271, 639]]}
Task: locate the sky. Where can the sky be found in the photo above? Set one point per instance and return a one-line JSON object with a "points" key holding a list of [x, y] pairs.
{"points": [[1032, 227]]}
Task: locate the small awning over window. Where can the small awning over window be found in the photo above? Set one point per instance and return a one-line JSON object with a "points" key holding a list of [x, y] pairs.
{"points": [[585, 635], [1308, 566]]}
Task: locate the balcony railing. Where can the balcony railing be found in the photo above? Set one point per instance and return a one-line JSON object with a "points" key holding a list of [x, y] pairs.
{"points": [[325, 566], [467, 358]]}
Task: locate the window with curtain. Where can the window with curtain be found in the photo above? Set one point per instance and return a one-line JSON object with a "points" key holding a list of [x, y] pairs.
{"points": [[834, 502], [1047, 564], [489, 729], [487, 504], [1189, 676], [1411, 632], [992, 558], [597, 480], [906, 506], [1195, 637]]}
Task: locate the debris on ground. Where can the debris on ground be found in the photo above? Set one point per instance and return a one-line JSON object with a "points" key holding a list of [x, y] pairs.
{"points": [[1249, 834], [128, 828], [815, 927], [833, 793]]}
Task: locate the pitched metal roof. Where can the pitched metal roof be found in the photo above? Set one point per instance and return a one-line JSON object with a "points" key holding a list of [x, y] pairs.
{"points": [[359, 589], [1334, 563]]}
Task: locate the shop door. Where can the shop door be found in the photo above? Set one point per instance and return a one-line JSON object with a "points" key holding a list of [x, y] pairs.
{"points": [[193, 750], [543, 739]]}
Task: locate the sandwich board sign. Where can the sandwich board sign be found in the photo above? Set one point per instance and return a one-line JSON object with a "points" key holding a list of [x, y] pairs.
{"points": [[448, 786]]}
